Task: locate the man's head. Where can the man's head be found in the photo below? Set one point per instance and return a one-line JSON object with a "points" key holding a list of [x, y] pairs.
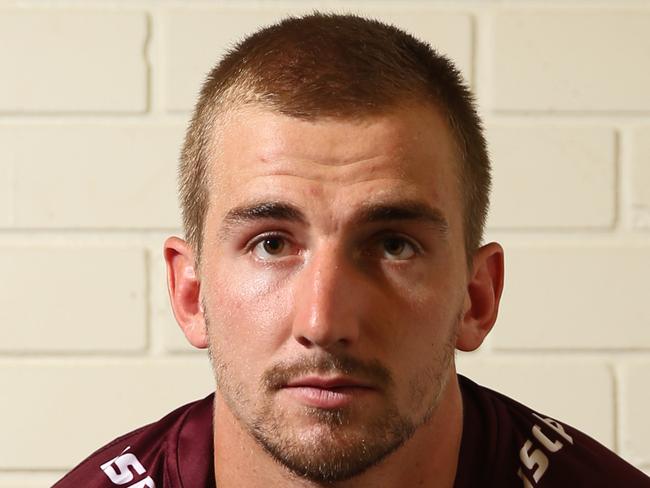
{"points": [[334, 66], [331, 212]]}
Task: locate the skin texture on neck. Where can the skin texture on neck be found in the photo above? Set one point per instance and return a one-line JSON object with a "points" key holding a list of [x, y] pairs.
{"points": [[428, 459]]}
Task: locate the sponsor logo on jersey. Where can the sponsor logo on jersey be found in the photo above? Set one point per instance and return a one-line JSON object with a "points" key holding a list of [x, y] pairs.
{"points": [[548, 437], [126, 468]]}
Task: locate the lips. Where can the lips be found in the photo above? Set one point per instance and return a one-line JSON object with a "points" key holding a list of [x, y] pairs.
{"points": [[326, 383], [327, 392]]}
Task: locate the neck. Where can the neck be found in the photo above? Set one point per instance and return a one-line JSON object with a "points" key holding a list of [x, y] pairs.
{"points": [[428, 459]]}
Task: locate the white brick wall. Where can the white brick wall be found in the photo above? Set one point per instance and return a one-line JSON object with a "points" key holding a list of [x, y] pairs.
{"points": [[635, 405], [640, 190], [92, 314], [69, 60], [33, 480], [67, 405], [550, 177], [575, 296], [93, 175], [6, 193], [94, 97], [571, 60]]}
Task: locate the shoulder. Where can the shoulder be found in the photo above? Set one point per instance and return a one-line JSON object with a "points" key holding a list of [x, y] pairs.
{"points": [[530, 449], [138, 459]]}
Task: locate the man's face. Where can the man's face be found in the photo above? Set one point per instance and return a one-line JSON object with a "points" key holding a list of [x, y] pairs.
{"points": [[333, 277]]}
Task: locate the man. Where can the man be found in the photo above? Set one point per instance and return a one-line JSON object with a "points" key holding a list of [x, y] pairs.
{"points": [[334, 187]]}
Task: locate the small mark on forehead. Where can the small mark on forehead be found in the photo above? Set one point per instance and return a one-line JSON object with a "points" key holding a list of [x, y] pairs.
{"points": [[315, 190]]}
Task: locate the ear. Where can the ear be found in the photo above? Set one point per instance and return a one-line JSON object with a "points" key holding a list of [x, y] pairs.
{"points": [[184, 291], [482, 297]]}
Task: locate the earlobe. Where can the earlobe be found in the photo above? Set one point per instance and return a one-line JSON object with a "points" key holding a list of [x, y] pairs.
{"points": [[482, 297], [184, 289]]}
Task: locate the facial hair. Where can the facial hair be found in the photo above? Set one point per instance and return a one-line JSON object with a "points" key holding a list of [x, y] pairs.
{"points": [[340, 443]]}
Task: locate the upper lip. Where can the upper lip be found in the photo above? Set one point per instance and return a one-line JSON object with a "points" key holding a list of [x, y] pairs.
{"points": [[326, 382]]}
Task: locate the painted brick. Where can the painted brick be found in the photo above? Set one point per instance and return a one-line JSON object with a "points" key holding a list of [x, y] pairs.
{"points": [[72, 299], [29, 479], [576, 60], [575, 297], [72, 60], [94, 175], [552, 177], [6, 194], [196, 39], [82, 405], [548, 385], [635, 405], [640, 182]]}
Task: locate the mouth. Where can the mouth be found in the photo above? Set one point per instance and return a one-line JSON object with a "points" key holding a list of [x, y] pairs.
{"points": [[327, 392]]}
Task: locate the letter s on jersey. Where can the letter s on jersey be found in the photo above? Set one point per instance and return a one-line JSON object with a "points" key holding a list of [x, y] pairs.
{"points": [[119, 472]]}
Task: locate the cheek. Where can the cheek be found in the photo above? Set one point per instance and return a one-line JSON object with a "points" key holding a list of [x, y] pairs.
{"points": [[428, 295], [425, 323], [426, 341], [247, 311]]}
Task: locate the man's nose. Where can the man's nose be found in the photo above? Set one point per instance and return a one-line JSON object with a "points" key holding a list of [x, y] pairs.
{"points": [[331, 297]]}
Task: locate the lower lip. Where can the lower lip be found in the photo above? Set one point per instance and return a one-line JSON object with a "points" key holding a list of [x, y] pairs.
{"points": [[327, 397]]}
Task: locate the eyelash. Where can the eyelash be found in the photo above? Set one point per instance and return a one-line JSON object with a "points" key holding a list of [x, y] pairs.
{"points": [[417, 249], [382, 238], [250, 245]]}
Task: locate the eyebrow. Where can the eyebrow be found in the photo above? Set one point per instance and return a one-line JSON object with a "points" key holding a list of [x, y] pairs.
{"points": [[260, 211], [401, 210], [404, 210]]}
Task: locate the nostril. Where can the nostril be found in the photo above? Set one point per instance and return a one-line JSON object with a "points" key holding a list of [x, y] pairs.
{"points": [[303, 341], [321, 342]]}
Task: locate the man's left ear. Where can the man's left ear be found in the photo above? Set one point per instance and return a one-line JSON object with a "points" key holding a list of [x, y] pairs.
{"points": [[481, 297]]}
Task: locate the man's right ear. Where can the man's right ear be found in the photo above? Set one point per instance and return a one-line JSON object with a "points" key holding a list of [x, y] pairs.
{"points": [[184, 289]]}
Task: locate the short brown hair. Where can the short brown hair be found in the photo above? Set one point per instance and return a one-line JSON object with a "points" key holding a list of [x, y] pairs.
{"points": [[328, 65]]}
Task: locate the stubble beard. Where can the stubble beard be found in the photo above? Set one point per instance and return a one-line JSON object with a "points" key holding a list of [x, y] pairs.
{"points": [[336, 448]]}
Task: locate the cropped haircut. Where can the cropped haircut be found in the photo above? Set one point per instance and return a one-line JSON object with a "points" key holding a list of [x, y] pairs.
{"points": [[338, 66]]}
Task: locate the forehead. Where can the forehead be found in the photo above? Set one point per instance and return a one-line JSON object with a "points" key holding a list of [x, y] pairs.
{"points": [[405, 152], [265, 135]]}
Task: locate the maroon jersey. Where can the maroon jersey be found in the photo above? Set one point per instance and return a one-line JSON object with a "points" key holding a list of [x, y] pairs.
{"points": [[504, 444]]}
